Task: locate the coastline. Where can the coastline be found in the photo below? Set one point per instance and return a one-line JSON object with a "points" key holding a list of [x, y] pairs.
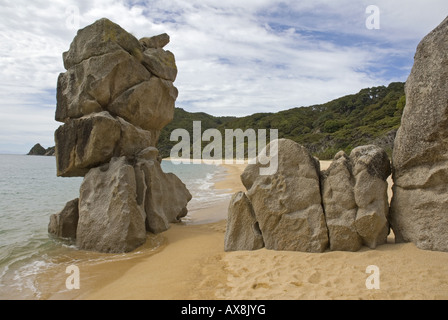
{"points": [[191, 264]]}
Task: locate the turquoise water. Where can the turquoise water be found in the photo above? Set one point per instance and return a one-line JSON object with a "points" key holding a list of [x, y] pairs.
{"points": [[30, 192]]}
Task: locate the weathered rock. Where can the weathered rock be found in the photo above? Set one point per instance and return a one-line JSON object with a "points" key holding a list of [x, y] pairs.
{"points": [[161, 63], [113, 109], [287, 203], [110, 218], [371, 168], [65, 223], [419, 207], [242, 232], [339, 203], [86, 142], [103, 36], [133, 139], [354, 195], [93, 84], [163, 196], [155, 42], [93, 140], [149, 105]]}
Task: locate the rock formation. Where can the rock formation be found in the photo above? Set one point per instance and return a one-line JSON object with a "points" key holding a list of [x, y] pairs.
{"points": [[419, 207], [338, 199], [299, 208], [114, 99], [354, 195], [371, 167], [287, 204], [38, 150]]}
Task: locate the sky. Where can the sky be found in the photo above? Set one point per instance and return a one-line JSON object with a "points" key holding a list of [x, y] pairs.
{"points": [[234, 57]]}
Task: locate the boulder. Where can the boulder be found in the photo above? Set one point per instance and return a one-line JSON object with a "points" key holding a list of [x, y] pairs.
{"points": [[287, 203], [243, 231], [103, 36], [339, 203], [163, 196], [86, 142], [65, 223], [110, 218], [371, 168], [160, 63], [96, 82], [93, 140], [155, 42], [419, 207], [149, 104]]}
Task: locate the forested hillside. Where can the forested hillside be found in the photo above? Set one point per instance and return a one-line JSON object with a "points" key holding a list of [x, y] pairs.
{"points": [[371, 116]]}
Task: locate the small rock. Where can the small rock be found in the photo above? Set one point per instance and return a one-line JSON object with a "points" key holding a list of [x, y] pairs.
{"points": [[155, 42], [243, 231], [65, 223]]}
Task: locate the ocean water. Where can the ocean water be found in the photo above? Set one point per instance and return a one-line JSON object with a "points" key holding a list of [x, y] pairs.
{"points": [[30, 192]]}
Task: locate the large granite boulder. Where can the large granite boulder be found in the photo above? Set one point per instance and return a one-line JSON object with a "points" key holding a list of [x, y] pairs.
{"points": [[371, 168], [338, 199], [354, 195], [101, 37], [243, 231], [419, 207], [287, 203], [163, 196], [149, 105], [160, 63], [124, 198], [91, 85], [110, 219], [84, 143]]}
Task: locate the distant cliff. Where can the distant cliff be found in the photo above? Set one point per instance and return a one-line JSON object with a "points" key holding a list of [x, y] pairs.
{"points": [[38, 150]]}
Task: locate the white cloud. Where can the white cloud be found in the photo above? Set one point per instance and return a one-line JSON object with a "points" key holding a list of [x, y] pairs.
{"points": [[234, 57]]}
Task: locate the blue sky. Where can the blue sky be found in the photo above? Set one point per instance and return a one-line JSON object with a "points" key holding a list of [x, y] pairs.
{"points": [[234, 57]]}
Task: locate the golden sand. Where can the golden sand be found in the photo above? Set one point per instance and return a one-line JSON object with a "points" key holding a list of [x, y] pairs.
{"points": [[191, 264]]}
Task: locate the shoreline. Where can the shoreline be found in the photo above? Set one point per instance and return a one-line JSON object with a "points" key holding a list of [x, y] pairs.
{"points": [[190, 264], [110, 268]]}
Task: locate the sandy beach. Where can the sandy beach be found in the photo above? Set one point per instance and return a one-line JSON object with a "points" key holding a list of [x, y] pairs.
{"points": [[190, 263]]}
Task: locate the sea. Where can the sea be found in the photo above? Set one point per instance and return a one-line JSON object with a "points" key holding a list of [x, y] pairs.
{"points": [[30, 192]]}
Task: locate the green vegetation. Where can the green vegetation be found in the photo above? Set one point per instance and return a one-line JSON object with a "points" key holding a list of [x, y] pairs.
{"points": [[371, 116]]}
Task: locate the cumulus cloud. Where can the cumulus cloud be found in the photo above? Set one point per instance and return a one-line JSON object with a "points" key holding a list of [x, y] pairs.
{"points": [[234, 57]]}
